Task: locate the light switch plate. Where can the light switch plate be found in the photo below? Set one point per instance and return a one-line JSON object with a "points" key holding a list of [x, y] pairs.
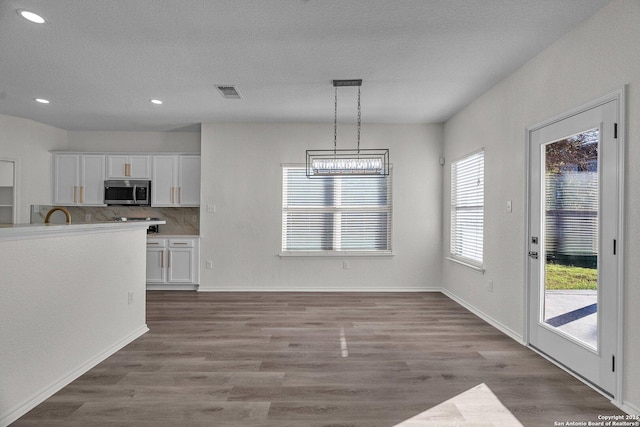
{"points": [[509, 207]]}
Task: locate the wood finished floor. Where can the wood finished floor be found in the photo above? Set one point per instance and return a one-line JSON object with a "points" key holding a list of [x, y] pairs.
{"points": [[277, 359]]}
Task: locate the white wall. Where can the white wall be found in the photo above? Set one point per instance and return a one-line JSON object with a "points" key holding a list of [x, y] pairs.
{"points": [[29, 143], [241, 175], [60, 319], [134, 141], [598, 57]]}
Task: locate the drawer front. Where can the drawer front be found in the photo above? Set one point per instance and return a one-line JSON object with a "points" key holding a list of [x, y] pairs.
{"points": [[182, 243], [156, 243]]}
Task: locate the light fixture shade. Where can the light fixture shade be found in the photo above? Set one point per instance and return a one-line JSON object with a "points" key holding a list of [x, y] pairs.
{"points": [[363, 162]]}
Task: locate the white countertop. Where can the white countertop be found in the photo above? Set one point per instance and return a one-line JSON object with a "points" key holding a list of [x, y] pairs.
{"points": [[34, 231]]}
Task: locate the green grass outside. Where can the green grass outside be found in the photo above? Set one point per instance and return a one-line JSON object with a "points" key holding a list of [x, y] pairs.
{"points": [[561, 277]]}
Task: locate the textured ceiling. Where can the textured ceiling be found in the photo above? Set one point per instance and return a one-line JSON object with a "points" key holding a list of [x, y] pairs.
{"points": [[100, 61]]}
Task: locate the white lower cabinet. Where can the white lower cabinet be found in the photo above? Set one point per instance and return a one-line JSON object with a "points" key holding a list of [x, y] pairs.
{"points": [[173, 263], [156, 271]]}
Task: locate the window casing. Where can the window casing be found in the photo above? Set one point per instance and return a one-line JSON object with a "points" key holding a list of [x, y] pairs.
{"points": [[467, 209], [335, 215]]}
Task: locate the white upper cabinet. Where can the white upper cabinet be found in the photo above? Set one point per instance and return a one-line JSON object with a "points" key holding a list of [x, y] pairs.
{"points": [[78, 179], [176, 180], [66, 178], [164, 181], [92, 176], [124, 166], [189, 180]]}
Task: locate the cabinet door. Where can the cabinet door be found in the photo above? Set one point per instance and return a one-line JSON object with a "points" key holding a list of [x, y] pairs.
{"points": [[92, 175], [180, 266], [117, 166], [156, 265], [163, 183], [66, 169], [189, 181], [125, 166], [140, 167]]}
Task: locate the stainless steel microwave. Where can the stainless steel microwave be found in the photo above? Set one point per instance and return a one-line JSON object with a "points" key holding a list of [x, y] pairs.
{"points": [[127, 192]]}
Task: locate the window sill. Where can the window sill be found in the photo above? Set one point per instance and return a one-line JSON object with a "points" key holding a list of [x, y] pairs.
{"points": [[341, 254], [466, 264]]}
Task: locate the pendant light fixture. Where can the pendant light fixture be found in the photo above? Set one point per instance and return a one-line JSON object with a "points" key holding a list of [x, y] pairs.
{"points": [[360, 162]]}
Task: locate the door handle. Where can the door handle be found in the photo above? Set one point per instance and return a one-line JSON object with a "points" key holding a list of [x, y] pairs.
{"points": [[533, 254]]}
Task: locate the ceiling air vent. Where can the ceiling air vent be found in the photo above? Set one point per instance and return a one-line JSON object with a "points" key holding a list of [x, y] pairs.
{"points": [[229, 91]]}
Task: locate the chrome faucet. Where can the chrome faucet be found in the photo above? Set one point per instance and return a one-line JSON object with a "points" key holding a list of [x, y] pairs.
{"points": [[67, 214]]}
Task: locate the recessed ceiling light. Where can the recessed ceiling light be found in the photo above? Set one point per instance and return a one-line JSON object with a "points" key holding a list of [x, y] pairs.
{"points": [[30, 16], [156, 101], [42, 100]]}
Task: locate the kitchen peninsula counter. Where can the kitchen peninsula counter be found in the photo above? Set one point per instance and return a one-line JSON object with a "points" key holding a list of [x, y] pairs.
{"points": [[30, 231], [72, 295]]}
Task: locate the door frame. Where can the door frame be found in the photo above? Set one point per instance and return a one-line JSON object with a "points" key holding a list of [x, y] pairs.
{"points": [[617, 96]]}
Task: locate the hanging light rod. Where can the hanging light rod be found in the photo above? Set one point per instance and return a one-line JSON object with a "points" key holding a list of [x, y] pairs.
{"points": [[347, 162], [344, 83]]}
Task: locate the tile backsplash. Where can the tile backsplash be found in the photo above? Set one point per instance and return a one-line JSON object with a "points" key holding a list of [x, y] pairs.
{"points": [[182, 221]]}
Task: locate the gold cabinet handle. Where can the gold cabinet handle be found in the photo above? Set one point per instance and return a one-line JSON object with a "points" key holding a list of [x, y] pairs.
{"points": [[168, 259], [179, 195], [152, 243], [75, 199], [127, 169], [179, 243], [172, 194], [81, 194], [162, 259]]}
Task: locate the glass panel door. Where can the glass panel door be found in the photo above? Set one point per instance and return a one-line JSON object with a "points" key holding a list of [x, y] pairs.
{"points": [[571, 203], [573, 224]]}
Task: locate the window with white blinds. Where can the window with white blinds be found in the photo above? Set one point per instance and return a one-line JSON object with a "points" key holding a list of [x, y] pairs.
{"points": [[467, 208], [335, 214]]}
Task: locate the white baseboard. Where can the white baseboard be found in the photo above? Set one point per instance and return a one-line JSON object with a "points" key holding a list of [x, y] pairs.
{"points": [[629, 408], [155, 287], [490, 320], [219, 288], [48, 391]]}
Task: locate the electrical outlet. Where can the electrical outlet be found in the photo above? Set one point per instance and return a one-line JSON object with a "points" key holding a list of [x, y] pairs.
{"points": [[211, 208], [346, 265], [194, 218], [490, 285], [209, 264], [509, 206], [130, 297], [87, 217]]}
